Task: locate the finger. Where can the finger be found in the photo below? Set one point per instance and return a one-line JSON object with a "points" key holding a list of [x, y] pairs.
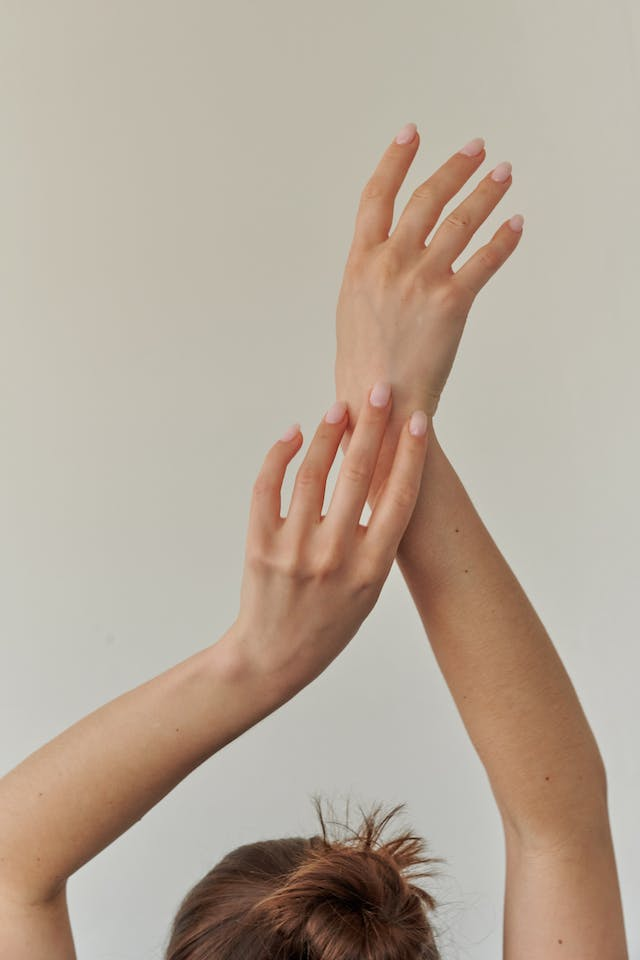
{"points": [[486, 261], [311, 480], [454, 233], [356, 472], [395, 504], [375, 212], [264, 515], [421, 214]]}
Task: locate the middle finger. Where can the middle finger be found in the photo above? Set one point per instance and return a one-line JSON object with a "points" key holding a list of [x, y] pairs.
{"points": [[427, 202], [357, 469]]}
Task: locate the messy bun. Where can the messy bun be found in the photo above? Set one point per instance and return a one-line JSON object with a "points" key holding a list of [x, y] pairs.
{"points": [[340, 897]]}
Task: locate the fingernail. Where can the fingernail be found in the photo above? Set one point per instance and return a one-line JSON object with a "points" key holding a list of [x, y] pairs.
{"points": [[407, 134], [292, 432], [418, 423], [379, 396], [516, 223], [502, 172], [336, 412], [473, 148]]}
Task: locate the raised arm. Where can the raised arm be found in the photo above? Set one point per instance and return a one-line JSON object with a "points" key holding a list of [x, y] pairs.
{"points": [[514, 696], [526, 723], [308, 583]]}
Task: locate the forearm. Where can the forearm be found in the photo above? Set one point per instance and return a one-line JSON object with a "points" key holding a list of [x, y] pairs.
{"points": [[75, 795], [511, 689]]}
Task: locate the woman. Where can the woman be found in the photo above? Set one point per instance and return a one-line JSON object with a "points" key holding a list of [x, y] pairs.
{"points": [[308, 584]]}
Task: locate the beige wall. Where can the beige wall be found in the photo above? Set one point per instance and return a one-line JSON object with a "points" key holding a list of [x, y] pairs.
{"points": [[178, 183]]}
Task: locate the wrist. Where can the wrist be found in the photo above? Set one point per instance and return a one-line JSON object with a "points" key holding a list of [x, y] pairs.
{"points": [[236, 657]]}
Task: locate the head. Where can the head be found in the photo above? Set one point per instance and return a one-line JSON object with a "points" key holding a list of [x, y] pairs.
{"points": [[312, 898]]}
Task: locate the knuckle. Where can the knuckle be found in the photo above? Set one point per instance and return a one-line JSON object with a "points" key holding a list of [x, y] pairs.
{"points": [[445, 297], [356, 265], [403, 494], [330, 561], [356, 471], [254, 554], [309, 475], [490, 258], [425, 191], [460, 218], [263, 486], [388, 266], [373, 189], [290, 563], [257, 555], [324, 435], [418, 283], [466, 293], [371, 574]]}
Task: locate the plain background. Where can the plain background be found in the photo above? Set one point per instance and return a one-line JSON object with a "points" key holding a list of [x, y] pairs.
{"points": [[178, 187]]}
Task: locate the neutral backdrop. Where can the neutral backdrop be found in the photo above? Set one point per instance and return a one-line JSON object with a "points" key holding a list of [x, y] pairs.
{"points": [[178, 186]]}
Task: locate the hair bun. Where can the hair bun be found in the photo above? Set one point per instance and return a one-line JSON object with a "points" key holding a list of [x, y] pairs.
{"points": [[352, 899]]}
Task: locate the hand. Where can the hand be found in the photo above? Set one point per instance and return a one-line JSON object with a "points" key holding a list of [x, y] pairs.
{"points": [[310, 580], [401, 309]]}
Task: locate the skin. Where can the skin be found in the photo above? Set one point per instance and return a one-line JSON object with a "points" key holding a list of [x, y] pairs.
{"points": [[401, 309], [404, 301], [309, 582]]}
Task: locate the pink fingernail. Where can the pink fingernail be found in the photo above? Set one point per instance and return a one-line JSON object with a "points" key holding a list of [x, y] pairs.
{"points": [[418, 423], [517, 222], [407, 134], [379, 396], [473, 148], [336, 412], [292, 432], [502, 172]]}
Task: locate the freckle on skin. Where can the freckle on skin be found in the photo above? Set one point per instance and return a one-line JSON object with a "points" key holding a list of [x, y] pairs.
{"points": [[559, 941], [457, 531], [547, 778]]}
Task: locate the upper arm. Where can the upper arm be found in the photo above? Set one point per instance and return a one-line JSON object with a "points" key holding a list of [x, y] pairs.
{"points": [[35, 931], [562, 898]]}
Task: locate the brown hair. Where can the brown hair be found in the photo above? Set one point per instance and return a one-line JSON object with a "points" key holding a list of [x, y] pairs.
{"points": [[312, 898]]}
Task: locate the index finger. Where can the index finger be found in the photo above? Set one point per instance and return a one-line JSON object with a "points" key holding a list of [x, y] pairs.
{"points": [[266, 501], [375, 212]]}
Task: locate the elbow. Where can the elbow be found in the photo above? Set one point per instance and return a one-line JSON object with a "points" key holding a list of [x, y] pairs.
{"points": [[570, 813]]}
